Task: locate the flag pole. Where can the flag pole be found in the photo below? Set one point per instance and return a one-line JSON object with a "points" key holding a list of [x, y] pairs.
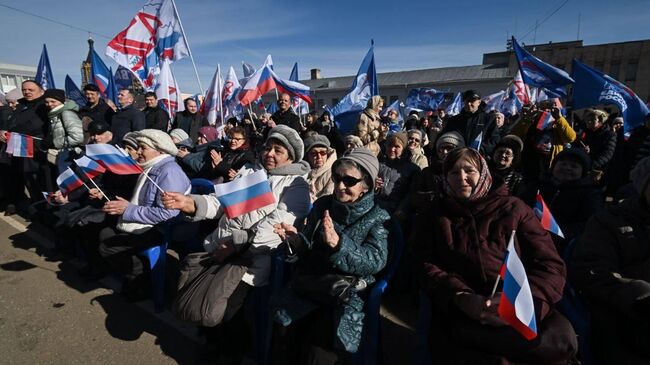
{"points": [[220, 93], [496, 283], [187, 44], [93, 181]]}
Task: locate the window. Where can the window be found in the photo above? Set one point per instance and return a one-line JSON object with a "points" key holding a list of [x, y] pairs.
{"points": [[8, 82], [615, 69], [630, 71]]}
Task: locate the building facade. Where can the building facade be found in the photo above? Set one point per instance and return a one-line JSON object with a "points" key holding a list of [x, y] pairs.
{"points": [[11, 76]]}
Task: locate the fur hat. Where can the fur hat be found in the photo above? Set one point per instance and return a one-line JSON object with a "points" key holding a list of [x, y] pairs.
{"points": [[363, 157], [353, 140], [56, 94], [179, 134], [452, 137], [98, 127], [317, 140], [512, 142], [130, 140], [640, 175], [289, 139], [400, 137], [158, 140], [210, 133]]}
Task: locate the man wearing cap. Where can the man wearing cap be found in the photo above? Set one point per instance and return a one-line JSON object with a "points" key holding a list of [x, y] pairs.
{"points": [[284, 115], [99, 132], [128, 119], [190, 120], [610, 269], [96, 108], [471, 121], [155, 117]]}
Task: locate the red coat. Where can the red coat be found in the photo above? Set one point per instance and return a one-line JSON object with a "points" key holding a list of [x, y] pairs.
{"points": [[463, 247]]}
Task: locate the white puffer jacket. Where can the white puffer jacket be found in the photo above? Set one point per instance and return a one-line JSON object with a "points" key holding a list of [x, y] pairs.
{"points": [[291, 193]]}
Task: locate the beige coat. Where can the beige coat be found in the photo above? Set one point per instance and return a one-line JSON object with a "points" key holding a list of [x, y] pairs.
{"points": [[369, 127], [320, 179]]}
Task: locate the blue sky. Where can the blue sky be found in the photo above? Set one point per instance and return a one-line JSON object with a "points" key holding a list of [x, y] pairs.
{"points": [[331, 35]]}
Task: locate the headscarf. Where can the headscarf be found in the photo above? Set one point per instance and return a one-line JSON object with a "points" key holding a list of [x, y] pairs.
{"points": [[484, 181]]}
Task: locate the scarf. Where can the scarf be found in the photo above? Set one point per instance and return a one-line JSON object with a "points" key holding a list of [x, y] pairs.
{"points": [[484, 181]]}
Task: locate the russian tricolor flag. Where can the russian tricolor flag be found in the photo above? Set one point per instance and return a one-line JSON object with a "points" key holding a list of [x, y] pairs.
{"points": [[545, 119], [20, 145], [245, 194], [545, 217], [115, 160], [68, 181], [293, 88], [91, 168], [516, 306], [260, 83]]}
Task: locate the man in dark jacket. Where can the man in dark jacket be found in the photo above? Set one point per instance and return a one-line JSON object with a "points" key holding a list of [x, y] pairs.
{"points": [[598, 140], [96, 108], [30, 118], [285, 116], [128, 119], [155, 117], [471, 121], [610, 270], [190, 120]]}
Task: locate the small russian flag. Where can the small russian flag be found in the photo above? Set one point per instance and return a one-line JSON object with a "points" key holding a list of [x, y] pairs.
{"points": [[20, 145], [91, 168], [115, 160], [545, 217], [68, 181], [516, 305], [245, 194], [544, 120]]}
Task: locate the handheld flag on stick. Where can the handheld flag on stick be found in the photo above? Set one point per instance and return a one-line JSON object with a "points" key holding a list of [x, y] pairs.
{"points": [[545, 119], [68, 181], [516, 305], [44, 74], [20, 145], [245, 194], [113, 159], [91, 169], [545, 217]]}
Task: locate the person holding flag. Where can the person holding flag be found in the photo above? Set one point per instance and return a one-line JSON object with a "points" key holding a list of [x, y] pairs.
{"points": [[250, 234], [65, 134], [472, 225]]}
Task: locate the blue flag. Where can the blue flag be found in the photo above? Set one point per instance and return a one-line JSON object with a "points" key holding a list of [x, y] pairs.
{"points": [[476, 143], [365, 86], [428, 99], [294, 73], [456, 105], [593, 87], [44, 71], [538, 73], [272, 108], [123, 78], [396, 106], [112, 91], [73, 92]]}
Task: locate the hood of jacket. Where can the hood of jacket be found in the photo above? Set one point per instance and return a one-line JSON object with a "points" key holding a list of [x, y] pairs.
{"points": [[68, 105]]}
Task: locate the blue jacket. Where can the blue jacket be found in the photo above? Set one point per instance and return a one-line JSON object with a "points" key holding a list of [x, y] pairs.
{"points": [[150, 210]]}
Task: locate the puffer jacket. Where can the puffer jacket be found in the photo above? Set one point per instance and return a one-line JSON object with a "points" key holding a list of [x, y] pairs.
{"points": [[292, 203], [66, 130], [362, 252], [463, 246], [320, 179], [397, 175]]}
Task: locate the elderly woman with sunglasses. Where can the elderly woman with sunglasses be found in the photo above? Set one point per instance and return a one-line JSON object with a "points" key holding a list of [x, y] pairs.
{"points": [[415, 141], [320, 157], [344, 235]]}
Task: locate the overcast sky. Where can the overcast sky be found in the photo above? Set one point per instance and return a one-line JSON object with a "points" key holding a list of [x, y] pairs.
{"points": [[332, 35]]}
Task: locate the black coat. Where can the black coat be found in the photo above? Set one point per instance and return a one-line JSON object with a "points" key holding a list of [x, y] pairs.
{"points": [[156, 118], [100, 112], [287, 118], [190, 123], [30, 118], [602, 145], [469, 125], [128, 119]]}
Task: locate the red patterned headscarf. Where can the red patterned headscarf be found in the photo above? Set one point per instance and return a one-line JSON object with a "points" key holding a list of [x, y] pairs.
{"points": [[485, 179]]}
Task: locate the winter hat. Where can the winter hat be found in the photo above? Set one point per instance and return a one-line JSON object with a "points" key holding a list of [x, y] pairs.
{"points": [[158, 140], [130, 140], [512, 142], [187, 142], [210, 133], [98, 127], [399, 137], [317, 140], [453, 138], [289, 139], [640, 175], [14, 94], [353, 140], [471, 95], [179, 134], [363, 157], [56, 94], [575, 154], [418, 132], [91, 87]]}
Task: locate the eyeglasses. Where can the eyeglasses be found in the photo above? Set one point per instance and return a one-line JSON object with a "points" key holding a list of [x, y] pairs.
{"points": [[237, 139], [318, 153], [348, 181], [505, 153], [414, 139]]}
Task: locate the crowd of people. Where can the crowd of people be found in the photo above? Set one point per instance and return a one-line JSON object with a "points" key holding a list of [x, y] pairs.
{"points": [[456, 200]]}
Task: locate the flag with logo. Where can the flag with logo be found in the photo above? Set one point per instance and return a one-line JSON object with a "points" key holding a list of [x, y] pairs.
{"points": [[537, 73], [593, 87], [167, 91], [230, 96], [44, 74], [212, 103], [152, 35]]}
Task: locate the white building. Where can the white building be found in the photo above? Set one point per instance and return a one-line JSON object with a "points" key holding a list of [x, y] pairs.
{"points": [[11, 76]]}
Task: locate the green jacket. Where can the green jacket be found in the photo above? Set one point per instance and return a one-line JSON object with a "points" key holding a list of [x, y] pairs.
{"points": [[66, 130]]}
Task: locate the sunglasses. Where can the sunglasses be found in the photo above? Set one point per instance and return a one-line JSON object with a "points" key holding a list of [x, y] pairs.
{"points": [[318, 153], [348, 181], [414, 139]]}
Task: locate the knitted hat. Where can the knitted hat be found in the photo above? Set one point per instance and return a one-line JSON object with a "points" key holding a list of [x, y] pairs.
{"points": [[317, 140], [575, 154], [158, 140], [363, 157], [289, 139], [14, 94], [399, 137], [353, 140], [56, 94], [130, 140], [210, 133], [640, 175], [453, 138], [179, 134]]}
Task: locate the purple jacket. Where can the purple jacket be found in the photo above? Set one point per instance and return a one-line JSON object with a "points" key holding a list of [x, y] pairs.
{"points": [[170, 177]]}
